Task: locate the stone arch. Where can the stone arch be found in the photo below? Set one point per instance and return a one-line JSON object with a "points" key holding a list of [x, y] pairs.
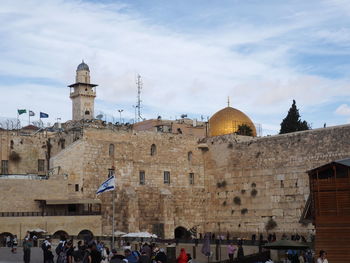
{"points": [[85, 234], [3, 236], [153, 149], [182, 233], [61, 234]]}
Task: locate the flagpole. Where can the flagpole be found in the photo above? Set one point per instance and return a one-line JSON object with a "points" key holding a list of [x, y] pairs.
{"points": [[28, 117], [113, 211]]}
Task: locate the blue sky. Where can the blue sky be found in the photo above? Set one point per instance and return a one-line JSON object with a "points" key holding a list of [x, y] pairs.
{"points": [[191, 56]]}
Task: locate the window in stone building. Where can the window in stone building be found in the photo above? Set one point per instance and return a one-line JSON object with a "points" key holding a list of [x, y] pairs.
{"points": [[111, 150], [189, 156], [77, 187], [41, 165], [87, 112], [142, 177], [4, 167], [282, 184], [166, 177], [191, 177], [153, 149]]}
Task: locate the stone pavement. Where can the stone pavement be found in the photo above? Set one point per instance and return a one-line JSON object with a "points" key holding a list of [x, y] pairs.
{"points": [[6, 256]]}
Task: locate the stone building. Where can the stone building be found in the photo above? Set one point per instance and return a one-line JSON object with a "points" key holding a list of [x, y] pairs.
{"points": [[167, 181]]}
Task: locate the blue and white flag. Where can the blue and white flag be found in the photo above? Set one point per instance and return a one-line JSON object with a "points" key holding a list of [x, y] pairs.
{"points": [[108, 185], [44, 115]]}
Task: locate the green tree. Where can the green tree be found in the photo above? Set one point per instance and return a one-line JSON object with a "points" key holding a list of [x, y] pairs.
{"points": [[292, 122], [244, 129]]}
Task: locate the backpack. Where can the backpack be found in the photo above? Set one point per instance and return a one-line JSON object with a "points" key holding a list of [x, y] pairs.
{"points": [[59, 248], [86, 256], [62, 257]]}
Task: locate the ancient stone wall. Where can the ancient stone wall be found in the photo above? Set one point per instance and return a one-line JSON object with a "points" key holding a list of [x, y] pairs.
{"points": [[19, 195], [268, 177], [29, 149], [139, 207]]}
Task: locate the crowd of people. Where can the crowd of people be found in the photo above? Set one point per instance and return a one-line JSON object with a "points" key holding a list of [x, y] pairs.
{"points": [[92, 251]]}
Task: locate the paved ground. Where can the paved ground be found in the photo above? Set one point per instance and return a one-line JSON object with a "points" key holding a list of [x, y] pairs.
{"points": [[6, 256]]}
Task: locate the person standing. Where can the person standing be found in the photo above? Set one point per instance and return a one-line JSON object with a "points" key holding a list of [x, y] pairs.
{"points": [[27, 245], [14, 244], [323, 257], [49, 255], [240, 252], [231, 249], [182, 257]]}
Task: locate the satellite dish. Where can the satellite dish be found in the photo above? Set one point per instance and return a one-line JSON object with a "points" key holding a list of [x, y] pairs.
{"points": [[99, 117]]}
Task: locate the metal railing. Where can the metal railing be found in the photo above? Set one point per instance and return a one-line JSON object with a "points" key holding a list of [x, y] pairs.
{"points": [[53, 213]]}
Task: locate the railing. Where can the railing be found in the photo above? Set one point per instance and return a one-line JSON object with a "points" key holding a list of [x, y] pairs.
{"points": [[21, 214]]}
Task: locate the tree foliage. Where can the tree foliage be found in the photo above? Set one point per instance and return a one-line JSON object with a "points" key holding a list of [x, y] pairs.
{"points": [[244, 129], [292, 122]]}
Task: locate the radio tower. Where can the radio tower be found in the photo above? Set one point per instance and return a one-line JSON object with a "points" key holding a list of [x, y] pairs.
{"points": [[138, 106]]}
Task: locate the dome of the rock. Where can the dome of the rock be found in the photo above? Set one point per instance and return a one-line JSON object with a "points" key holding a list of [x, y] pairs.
{"points": [[230, 120]]}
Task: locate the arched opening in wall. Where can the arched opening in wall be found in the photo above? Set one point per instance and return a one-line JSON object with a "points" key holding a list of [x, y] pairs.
{"points": [[85, 235], [87, 112], [189, 156], [4, 239], [111, 150], [153, 149], [182, 233], [60, 234]]}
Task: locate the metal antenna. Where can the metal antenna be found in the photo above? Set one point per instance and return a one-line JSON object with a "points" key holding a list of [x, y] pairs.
{"points": [[228, 101], [139, 87]]}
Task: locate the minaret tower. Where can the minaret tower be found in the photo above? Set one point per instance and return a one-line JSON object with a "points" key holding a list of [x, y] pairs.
{"points": [[82, 94]]}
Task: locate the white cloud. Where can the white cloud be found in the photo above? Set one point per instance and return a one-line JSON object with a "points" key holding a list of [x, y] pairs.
{"points": [[182, 72], [343, 109]]}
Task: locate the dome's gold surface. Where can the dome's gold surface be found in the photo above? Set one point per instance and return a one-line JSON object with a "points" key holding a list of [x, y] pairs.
{"points": [[227, 121]]}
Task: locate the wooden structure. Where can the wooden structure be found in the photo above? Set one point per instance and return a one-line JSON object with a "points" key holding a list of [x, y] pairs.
{"points": [[330, 209]]}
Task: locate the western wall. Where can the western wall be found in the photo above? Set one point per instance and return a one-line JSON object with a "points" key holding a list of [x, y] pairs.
{"points": [[266, 174]]}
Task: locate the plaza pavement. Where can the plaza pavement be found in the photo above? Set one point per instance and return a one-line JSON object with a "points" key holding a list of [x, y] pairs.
{"points": [[6, 256]]}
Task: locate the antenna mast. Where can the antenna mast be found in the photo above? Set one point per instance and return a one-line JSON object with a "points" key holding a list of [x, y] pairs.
{"points": [[138, 106]]}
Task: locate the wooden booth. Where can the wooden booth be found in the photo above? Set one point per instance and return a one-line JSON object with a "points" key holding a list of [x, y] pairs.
{"points": [[330, 209]]}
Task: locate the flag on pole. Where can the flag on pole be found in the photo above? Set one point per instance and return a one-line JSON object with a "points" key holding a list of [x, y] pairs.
{"points": [[31, 113], [21, 111], [108, 185], [44, 115]]}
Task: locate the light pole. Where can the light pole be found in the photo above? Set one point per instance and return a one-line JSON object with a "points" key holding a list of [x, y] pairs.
{"points": [[120, 115]]}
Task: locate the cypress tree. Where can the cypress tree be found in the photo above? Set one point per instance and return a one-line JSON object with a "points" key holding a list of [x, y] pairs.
{"points": [[292, 122]]}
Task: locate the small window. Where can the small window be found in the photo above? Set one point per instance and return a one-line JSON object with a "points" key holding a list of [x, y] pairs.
{"points": [[4, 167], [189, 156], [87, 112], [153, 149], [41, 165], [111, 150], [142, 177], [166, 177], [191, 177], [77, 187]]}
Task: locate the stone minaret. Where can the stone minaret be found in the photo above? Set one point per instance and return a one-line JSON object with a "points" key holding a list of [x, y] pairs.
{"points": [[82, 94]]}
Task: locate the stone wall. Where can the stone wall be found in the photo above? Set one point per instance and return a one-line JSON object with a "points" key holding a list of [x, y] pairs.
{"points": [[274, 168], [139, 207], [19, 195], [70, 224], [29, 149]]}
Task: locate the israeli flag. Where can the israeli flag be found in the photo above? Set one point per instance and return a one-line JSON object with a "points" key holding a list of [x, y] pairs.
{"points": [[108, 185]]}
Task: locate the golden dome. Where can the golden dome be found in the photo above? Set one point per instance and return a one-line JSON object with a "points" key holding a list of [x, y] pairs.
{"points": [[227, 121]]}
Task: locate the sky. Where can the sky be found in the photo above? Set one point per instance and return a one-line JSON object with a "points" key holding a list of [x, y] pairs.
{"points": [[191, 55]]}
